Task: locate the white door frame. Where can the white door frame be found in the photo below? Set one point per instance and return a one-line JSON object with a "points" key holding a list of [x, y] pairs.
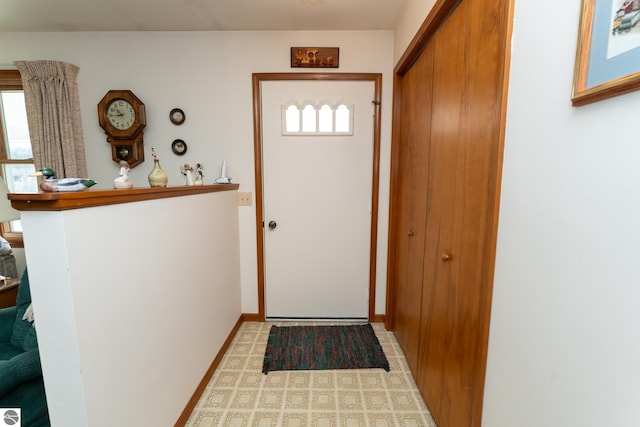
{"points": [[257, 79]]}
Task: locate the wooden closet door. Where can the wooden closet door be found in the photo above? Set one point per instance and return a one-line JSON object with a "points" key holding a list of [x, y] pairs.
{"points": [[457, 66], [412, 204], [463, 172], [440, 253], [476, 207]]}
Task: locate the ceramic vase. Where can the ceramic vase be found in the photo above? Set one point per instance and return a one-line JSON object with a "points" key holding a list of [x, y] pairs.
{"points": [[157, 177]]}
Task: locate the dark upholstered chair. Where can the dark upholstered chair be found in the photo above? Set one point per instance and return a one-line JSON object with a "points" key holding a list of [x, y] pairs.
{"points": [[21, 384]]}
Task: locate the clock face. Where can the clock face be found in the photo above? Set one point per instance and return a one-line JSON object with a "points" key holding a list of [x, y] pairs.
{"points": [[121, 114]]}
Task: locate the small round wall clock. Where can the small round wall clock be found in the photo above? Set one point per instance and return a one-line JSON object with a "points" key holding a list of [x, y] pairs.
{"points": [[179, 147], [177, 116]]}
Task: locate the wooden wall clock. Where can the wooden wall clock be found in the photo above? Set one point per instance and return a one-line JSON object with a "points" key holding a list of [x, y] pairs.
{"points": [[122, 116]]}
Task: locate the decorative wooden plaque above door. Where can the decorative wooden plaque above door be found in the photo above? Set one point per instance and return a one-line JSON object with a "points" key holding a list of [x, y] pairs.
{"points": [[315, 57]]}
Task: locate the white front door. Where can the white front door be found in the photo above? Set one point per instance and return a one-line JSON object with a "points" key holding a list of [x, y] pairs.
{"points": [[317, 197]]}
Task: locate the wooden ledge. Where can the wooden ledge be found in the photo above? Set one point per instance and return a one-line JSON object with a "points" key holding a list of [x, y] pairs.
{"points": [[90, 198]]}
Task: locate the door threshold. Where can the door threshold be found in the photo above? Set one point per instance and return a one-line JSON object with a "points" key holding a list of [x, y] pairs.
{"points": [[318, 319]]}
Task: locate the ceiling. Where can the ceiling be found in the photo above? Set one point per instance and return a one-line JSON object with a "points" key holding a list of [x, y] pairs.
{"points": [[198, 15]]}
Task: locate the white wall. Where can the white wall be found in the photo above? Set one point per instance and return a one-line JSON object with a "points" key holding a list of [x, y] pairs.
{"points": [[563, 347], [208, 74], [412, 16], [130, 315]]}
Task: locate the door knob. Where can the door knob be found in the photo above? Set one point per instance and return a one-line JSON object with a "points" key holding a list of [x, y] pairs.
{"points": [[272, 225], [445, 257], [410, 233]]}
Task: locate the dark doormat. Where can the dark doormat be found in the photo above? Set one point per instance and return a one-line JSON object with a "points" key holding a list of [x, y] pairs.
{"points": [[323, 347]]}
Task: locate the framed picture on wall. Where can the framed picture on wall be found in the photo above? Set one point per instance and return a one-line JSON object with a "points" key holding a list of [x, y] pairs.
{"points": [[608, 53], [315, 57]]}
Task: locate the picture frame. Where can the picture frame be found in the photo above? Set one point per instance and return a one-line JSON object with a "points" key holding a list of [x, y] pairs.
{"points": [[608, 52], [177, 116], [315, 57], [179, 147]]}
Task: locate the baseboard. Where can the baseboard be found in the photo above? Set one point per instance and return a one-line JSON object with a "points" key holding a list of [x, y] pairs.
{"points": [[251, 317], [378, 318], [197, 394]]}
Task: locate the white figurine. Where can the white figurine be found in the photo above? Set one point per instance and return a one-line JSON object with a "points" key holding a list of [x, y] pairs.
{"points": [[199, 174], [122, 182], [187, 172]]}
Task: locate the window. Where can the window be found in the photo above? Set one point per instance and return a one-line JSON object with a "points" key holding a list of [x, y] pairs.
{"points": [[323, 118], [292, 119], [16, 157], [309, 119]]}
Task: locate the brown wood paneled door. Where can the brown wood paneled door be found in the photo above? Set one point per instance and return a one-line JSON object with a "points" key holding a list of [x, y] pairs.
{"points": [[412, 204], [444, 178], [449, 110], [476, 211]]}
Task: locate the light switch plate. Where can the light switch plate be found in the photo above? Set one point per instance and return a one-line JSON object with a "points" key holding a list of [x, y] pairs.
{"points": [[244, 199]]}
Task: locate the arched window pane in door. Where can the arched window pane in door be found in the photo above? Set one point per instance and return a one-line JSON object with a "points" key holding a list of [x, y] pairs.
{"points": [[325, 119], [317, 118], [292, 119], [309, 119], [343, 119]]}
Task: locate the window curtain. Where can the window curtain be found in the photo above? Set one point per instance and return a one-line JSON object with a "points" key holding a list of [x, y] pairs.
{"points": [[53, 112]]}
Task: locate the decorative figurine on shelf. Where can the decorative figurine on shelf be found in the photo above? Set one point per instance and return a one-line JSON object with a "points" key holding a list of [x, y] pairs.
{"points": [[187, 171], [157, 177], [122, 182], [223, 175], [199, 174], [51, 183]]}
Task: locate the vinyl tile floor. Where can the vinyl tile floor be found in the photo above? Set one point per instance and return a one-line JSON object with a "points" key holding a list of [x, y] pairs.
{"points": [[239, 394]]}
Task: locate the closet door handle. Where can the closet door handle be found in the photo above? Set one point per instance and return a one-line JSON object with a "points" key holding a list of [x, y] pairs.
{"points": [[410, 233], [445, 257]]}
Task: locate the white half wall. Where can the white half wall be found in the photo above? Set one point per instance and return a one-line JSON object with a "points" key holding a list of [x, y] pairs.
{"points": [[208, 75], [132, 303]]}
